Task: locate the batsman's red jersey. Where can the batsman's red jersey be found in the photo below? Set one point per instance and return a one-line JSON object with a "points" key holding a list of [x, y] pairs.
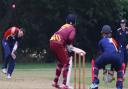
{"points": [[64, 36]]}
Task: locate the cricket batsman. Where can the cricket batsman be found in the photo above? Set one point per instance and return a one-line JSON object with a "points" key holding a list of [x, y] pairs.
{"points": [[109, 55], [61, 43], [10, 43]]}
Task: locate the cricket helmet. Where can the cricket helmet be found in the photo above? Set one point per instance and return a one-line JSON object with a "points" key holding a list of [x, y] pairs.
{"points": [[106, 29], [71, 18]]}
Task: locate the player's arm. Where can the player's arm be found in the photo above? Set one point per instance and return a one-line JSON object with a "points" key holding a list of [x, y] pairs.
{"points": [[78, 50], [72, 36], [70, 42], [71, 48], [117, 35], [14, 50], [13, 30], [100, 48], [127, 38]]}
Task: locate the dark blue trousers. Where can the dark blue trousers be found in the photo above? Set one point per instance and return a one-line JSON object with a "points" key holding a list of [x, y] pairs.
{"points": [[124, 56], [109, 58], [8, 61]]}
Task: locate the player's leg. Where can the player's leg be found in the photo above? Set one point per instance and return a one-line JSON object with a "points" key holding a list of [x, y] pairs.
{"points": [[122, 55], [98, 65], [11, 66], [64, 59], [118, 67], [5, 65], [70, 71], [53, 47], [67, 75], [125, 60], [119, 83], [5, 55], [65, 72], [124, 70], [58, 72], [62, 56]]}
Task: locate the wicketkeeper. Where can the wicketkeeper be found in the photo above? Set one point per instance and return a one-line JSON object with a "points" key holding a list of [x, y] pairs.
{"points": [[109, 55], [10, 43]]}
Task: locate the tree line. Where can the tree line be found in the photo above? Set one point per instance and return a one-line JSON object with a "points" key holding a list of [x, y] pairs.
{"points": [[41, 18]]}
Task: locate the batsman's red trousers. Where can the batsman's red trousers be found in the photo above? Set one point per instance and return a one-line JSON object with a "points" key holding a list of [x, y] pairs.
{"points": [[59, 51]]}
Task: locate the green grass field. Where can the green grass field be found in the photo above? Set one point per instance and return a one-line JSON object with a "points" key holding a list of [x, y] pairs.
{"points": [[40, 76]]}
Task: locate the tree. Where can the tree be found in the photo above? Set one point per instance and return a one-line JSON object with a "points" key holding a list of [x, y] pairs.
{"points": [[43, 17]]}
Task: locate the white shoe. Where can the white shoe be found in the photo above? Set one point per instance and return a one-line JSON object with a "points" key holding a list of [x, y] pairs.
{"points": [[4, 70], [8, 76], [93, 86]]}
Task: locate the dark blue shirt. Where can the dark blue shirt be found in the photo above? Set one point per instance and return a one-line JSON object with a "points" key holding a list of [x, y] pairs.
{"points": [[122, 37], [107, 45]]}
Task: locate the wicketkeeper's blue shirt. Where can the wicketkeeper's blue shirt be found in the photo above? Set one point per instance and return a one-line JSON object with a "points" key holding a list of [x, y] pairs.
{"points": [[107, 45]]}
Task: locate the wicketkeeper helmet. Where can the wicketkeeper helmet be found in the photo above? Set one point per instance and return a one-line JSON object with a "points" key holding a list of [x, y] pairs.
{"points": [[106, 29]]}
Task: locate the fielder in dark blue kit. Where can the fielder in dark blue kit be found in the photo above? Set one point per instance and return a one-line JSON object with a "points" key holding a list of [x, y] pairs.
{"points": [[109, 55], [122, 39], [10, 42]]}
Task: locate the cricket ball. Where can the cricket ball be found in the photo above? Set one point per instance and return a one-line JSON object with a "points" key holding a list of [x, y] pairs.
{"points": [[13, 5]]}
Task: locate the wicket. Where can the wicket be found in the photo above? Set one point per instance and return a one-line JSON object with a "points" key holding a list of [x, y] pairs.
{"points": [[80, 59]]}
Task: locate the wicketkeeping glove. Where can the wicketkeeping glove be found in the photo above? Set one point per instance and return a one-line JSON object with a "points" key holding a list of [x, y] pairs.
{"points": [[108, 76]]}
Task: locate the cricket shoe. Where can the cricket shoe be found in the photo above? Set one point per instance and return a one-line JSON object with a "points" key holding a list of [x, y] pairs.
{"points": [[8, 76], [93, 86], [4, 70], [65, 87], [54, 84]]}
